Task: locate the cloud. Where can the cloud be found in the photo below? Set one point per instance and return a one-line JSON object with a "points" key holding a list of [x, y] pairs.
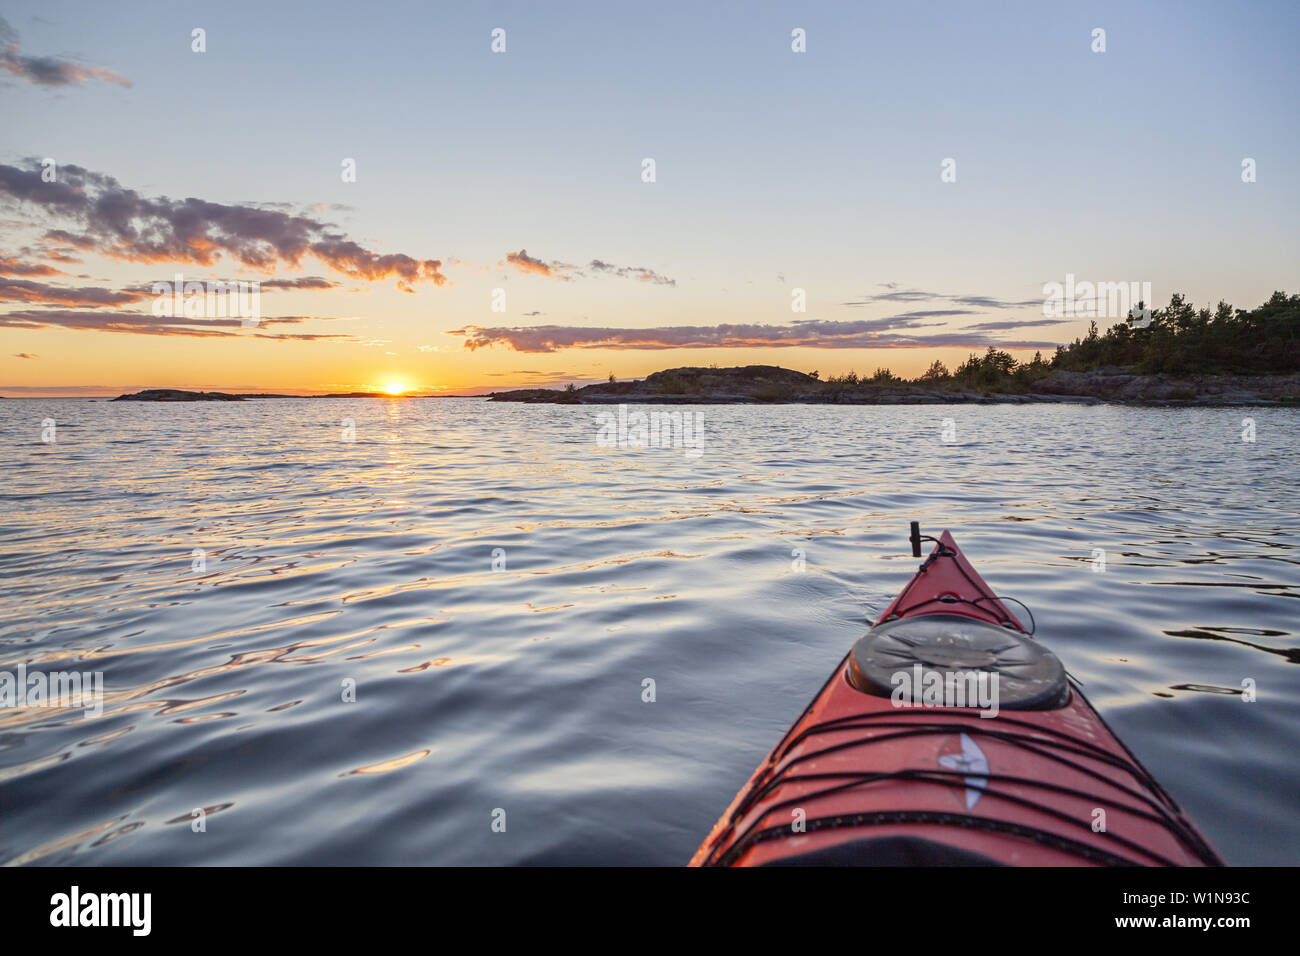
{"points": [[1004, 326], [540, 378], [896, 295], [343, 255], [892, 332], [139, 323], [306, 282], [25, 355], [116, 222], [988, 302], [526, 264], [263, 285], [54, 391], [23, 290], [10, 266], [528, 378], [529, 265], [48, 70], [72, 239], [633, 272]]}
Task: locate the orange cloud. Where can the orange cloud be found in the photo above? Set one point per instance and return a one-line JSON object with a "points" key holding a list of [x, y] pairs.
{"points": [[13, 267], [139, 323], [119, 223], [526, 264], [23, 290]]}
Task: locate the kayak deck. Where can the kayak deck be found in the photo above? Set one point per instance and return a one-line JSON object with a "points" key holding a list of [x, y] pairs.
{"points": [[862, 779]]}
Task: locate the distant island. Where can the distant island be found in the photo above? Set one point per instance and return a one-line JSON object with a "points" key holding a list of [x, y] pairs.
{"points": [[180, 395], [1175, 356], [185, 395]]}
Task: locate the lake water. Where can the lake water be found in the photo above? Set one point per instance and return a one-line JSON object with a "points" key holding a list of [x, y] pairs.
{"points": [[232, 569]]}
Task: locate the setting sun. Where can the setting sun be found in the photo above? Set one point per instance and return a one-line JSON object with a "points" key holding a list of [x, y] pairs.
{"points": [[394, 388]]}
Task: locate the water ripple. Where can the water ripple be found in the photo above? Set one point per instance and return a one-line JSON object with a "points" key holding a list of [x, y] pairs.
{"points": [[368, 651]]}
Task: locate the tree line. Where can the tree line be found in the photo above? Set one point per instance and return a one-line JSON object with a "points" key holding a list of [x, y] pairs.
{"points": [[1176, 340]]}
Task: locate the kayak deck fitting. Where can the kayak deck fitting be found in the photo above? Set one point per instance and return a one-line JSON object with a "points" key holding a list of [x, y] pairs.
{"points": [[892, 763]]}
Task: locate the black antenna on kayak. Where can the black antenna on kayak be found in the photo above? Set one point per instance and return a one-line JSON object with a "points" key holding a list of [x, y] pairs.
{"points": [[916, 538]]}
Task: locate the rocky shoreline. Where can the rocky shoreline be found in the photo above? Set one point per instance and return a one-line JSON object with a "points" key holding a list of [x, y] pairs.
{"points": [[772, 385], [769, 384]]}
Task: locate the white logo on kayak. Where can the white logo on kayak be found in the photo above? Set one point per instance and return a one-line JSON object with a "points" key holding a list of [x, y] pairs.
{"points": [[970, 760]]}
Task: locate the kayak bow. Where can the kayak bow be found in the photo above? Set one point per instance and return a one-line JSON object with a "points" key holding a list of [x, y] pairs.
{"points": [[948, 736]]}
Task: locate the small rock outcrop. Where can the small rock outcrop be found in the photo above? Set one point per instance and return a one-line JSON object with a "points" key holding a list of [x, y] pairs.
{"points": [[177, 395]]}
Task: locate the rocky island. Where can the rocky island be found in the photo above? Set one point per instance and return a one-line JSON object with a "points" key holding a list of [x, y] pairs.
{"points": [[178, 395], [758, 384], [1177, 355]]}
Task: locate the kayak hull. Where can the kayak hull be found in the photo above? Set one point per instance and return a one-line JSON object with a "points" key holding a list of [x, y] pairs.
{"points": [[867, 779]]}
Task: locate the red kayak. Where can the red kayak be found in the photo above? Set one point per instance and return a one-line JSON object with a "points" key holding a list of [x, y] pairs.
{"points": [[948, 736]]}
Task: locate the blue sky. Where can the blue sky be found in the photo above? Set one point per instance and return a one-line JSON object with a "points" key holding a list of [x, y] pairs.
{"points": [[775, 170]]}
